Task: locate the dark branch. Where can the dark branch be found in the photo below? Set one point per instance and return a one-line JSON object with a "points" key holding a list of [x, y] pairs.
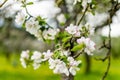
{"points": [[108, 67], [114, 9], [3, 3], [79, 21], [77, 55]]}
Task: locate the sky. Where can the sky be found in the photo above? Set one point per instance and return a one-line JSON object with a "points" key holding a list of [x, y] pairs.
{"points": [[47, 10]]}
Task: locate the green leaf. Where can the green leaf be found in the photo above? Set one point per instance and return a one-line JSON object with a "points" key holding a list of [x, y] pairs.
{"points": [[56, 54], [23, 5], [93, 13], [66, 45], [41, 21], [62, 24], [30, 3], [77, 47], [23, 25], [80, 65], [66, 39]]}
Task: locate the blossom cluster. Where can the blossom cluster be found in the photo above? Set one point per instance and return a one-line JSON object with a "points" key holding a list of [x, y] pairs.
{"points": [[60, 60], [82, 33], [68, 42], [70, 66], [89, 44], [73, 30], [33, 26]]}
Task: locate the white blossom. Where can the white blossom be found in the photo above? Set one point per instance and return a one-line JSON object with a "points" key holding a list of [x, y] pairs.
{"points": [[61, 68], [72, 62], [25, 54], [73, 70], [73, 30], [24, 57], [36, 65], [81, 40], [20, 18], [23, 62], [85, 3], [73, 65], [37, 59], [47, 55], [32, 26], [50, 33], [52, 63], [36, 56], [90, 29], [58, 66], [89, 44], [65, 52]]}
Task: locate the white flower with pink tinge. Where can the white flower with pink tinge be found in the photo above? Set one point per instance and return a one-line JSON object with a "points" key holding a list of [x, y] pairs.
{"points": [[47, 55], [89, 45], [58, 66], [73, 30], [50, 33]]}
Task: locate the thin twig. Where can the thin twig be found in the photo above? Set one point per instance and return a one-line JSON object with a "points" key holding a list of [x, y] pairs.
{"points": [[116, 7], [3, 3], [108, 67], [108, 46], [79, 21], [108, 55], [27, 12], [109, 52], [71, 46], [75, 56], [24, 3]]}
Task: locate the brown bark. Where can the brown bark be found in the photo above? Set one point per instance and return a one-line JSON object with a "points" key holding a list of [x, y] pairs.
{"points": [[64, 77]]}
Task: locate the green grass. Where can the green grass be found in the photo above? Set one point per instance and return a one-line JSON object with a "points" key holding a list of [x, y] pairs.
{"points": [[12, 70]]}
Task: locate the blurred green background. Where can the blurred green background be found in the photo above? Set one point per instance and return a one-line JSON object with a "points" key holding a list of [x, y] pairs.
{"points": [[12, 70]]}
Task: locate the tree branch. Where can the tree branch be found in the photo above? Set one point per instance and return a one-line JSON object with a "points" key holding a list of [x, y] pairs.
{"points": [[108, 46], [75, 56], [79, 21], [115, 8], [108, 67], [3, 3]]}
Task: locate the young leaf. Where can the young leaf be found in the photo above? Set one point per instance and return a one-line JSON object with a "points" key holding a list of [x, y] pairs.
{"points": [[30, 3], [66, 39], [77, 47], [23, 25]]}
